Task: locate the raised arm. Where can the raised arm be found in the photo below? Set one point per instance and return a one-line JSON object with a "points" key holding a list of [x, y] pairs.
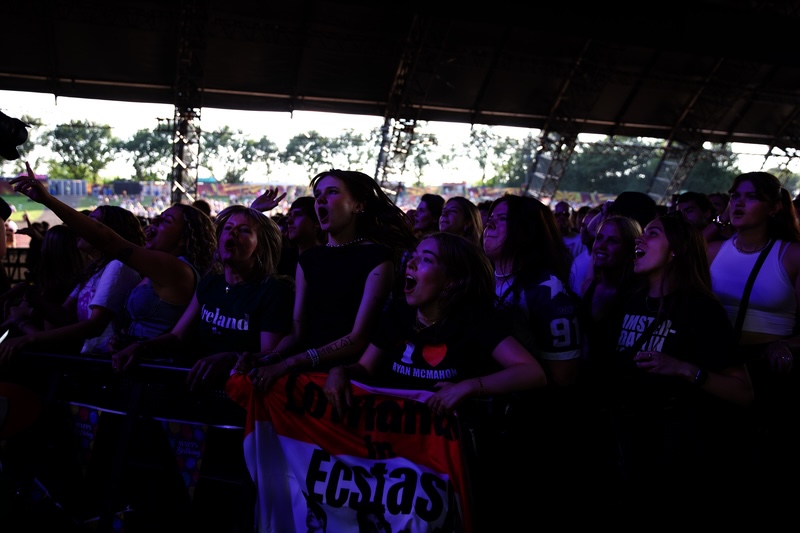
{"points": [[173, 279], [268, 201], [96, 233]]}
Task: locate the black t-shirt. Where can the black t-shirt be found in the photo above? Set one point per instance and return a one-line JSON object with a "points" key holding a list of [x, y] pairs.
{"points": [[452, 351], [232, 318], [696, 330]]}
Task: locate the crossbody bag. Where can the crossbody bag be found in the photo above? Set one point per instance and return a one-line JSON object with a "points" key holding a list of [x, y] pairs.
{"points": [[748, 288]]}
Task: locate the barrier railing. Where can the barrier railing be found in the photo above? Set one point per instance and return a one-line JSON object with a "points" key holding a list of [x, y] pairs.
{"points": [[113, 450], [15, 263]]}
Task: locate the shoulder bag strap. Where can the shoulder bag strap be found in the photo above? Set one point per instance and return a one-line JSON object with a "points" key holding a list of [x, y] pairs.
{"points": [[646, 334], [748, 288]]}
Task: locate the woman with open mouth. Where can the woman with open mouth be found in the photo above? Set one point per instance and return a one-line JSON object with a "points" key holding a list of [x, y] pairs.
{"points": [[444, 335], [447, 337], [764, 220], [341, 287], [677, 388], [606, 291], [241, 306]]}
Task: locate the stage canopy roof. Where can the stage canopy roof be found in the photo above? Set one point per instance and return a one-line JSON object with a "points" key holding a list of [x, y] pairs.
{"points": [[688, 71]]}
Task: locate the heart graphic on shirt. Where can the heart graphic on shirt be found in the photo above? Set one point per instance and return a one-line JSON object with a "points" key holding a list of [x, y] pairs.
{"points": [[434, 354]]}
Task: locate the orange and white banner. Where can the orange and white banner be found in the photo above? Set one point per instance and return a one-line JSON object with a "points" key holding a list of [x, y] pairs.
{"points": [[389, 460]]}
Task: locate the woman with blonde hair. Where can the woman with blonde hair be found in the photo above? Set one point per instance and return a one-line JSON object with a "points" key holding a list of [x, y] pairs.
{"points": [[462, 217]]}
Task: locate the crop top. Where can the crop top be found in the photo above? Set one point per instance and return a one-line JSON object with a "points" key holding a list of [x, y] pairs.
{"points": [[772, 306]]}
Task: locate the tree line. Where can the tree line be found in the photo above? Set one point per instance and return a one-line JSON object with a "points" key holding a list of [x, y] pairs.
{"points": [[81, 150]]}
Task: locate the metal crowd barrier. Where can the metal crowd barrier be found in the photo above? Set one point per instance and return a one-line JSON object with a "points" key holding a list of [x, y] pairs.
{"points": [[128, 452], [15, 263]]}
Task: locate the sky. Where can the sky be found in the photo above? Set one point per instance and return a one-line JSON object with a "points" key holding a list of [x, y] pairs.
{"points": [[125, 118]]}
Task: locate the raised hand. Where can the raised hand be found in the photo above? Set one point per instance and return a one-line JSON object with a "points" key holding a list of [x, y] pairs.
{"points": [[30, 186], [268, 201]]}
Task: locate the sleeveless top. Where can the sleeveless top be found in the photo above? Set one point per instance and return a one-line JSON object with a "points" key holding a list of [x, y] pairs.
{"points": [[772, 306], [149, 315], [335, 280]]}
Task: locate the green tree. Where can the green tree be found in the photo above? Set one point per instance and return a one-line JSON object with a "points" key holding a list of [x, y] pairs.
{"points": [[610, 167], [82, 150], [713, 172], [229, 153], [267, 152], [445, 159], [421, 146], [356, 150], [150, 153], [480, 146], [515, 158], [310, 150]]}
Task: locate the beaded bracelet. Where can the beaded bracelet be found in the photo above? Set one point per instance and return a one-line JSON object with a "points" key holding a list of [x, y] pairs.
{"points": [[313, 356]]}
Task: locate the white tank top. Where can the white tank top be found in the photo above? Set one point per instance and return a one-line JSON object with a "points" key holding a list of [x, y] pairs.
{"points": [[772, 306]]}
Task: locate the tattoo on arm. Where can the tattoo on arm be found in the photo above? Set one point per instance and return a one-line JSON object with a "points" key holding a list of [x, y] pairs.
{"points": [[335, 346]]}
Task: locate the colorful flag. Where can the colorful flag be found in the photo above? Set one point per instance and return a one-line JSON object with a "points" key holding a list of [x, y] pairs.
{"points": [[188, 442], [85, 420], [389, 460]]}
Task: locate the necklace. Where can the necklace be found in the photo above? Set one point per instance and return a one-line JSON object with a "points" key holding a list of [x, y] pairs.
{"points": [[504, 276], [354, 241], [736, 245], [230, 286], [419, 324], [647, 304]]}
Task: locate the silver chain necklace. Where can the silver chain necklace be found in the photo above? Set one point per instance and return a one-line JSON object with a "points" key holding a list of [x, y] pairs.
{"points": [[736, 245], [354, 241]]}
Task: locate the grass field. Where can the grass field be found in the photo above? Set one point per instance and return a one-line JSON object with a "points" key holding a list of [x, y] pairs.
{"points": [[22, 203]]}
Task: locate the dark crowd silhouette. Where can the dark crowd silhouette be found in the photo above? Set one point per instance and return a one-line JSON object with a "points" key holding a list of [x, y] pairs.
{"points": [[594, 355]]}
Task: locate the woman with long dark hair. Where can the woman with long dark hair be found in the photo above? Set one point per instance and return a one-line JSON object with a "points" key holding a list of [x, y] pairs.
{"points": [[676, 387], [531, 270], [764, 220], [342, 286], [447, 336]]}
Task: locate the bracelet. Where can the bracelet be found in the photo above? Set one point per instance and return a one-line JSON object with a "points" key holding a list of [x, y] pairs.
{"points": [[480, 387], [700, 377], [313, 356]]}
